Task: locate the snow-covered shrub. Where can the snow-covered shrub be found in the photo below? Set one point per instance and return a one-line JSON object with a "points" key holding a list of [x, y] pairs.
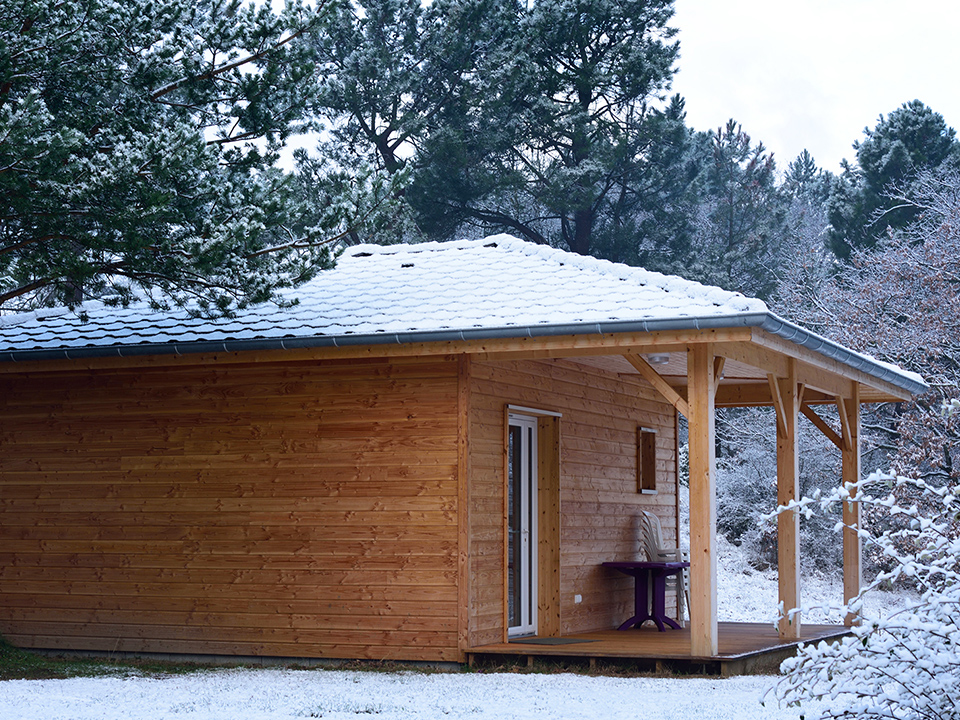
{"points": [[905, 665]]}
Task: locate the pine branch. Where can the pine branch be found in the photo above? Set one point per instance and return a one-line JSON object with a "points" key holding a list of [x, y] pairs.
{"points": [[253, 57], [24, 289]]}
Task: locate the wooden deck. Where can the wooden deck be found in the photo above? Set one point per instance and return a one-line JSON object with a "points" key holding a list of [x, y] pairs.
{"points": [[744, 648]]}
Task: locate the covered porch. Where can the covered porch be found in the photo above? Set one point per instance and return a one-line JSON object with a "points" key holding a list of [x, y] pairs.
{"points": [[698, 371], [743, 648]]}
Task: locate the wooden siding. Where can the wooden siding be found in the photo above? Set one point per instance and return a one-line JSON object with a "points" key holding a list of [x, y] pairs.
{"points": [[303, 509], [598, 484]]}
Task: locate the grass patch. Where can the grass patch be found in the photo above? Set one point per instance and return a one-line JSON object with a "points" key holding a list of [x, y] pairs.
{"points": [[19, 664]]}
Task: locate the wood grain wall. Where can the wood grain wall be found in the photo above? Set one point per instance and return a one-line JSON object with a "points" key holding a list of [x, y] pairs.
{"points": [[599, 499], [304, 510]]}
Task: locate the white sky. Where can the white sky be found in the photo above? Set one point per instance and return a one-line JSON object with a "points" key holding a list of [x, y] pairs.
{"points": [[813, 73]]}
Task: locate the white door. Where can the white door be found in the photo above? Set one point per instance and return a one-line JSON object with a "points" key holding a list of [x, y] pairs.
{"points": [[522, 526]]}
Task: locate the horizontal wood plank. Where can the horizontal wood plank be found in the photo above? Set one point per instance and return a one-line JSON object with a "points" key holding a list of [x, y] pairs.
{"points": [[598, 498], [295, 509]]}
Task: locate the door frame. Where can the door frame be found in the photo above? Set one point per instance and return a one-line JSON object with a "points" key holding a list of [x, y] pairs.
{"points": [[547, 590], [522, 499]]}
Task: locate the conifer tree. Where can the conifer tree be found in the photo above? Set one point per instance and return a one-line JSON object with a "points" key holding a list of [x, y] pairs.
{"points": [[560, 142], [910, 140], [136, 147], [741, 215], [391, 68]]}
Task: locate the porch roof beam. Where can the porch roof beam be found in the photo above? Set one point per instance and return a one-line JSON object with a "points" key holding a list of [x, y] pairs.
{"points": [[662, 386], [777, 363], [814, 368], [821, 425], [754, 393], [778, 405], [846, 432]]}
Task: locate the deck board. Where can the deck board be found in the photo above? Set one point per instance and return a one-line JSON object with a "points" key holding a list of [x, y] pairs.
{"points": [[738, 642]]}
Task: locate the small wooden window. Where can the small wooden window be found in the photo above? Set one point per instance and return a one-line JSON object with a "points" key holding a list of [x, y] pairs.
{"points": [[646, 461]]}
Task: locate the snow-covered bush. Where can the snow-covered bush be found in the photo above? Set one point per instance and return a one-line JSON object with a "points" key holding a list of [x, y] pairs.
{"points": [[905, 665]]}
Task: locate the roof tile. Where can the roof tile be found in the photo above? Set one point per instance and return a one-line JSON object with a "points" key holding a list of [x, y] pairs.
{"points": [[496, 282]]}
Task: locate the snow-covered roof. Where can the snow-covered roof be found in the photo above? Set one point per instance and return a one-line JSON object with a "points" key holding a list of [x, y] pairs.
{"points": [[496, 287], [497, 282]]}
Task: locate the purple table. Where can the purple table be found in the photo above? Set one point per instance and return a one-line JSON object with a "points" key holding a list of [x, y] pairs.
{"points": [[642, 572]]}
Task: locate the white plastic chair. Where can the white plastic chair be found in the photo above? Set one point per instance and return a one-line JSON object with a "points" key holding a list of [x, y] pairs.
{"points": [[651, 541]]}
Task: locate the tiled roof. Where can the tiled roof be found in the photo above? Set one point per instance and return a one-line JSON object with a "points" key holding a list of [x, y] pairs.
{"points": [[499, 282]]}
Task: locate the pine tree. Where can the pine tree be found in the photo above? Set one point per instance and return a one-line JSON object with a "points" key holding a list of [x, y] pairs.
{"points": [[136, 150], [557, 148], [391, 68], [911, 139], [806, 264], [741, 214], [805, 180]]}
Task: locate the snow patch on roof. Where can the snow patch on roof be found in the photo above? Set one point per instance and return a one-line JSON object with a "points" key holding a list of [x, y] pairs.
{"points": [[496, 282]]}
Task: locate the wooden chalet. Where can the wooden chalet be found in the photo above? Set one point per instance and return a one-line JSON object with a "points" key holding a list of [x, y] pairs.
{"points": [[432, 453]]}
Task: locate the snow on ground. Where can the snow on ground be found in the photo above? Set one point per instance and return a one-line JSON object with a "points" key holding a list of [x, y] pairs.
{"points": [[336, 695], [244, 694], [745, 594]]}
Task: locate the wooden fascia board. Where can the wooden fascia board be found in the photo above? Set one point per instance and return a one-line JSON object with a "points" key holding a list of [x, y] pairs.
{"points": [[661, 341], [517, 348], [662, 386], [814, 366], [814, 371]]}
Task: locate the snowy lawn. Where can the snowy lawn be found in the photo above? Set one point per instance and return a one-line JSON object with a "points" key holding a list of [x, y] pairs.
{"points": [[272, 694], [748, 595], [275, 694], [744, 594]]}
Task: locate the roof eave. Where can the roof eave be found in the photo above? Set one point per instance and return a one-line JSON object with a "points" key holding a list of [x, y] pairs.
{"points": [[766, 321]]}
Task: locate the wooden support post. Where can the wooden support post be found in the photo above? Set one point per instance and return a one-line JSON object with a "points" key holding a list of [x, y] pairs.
{"points": [[788, 490], [850, 469], [703, 502]]}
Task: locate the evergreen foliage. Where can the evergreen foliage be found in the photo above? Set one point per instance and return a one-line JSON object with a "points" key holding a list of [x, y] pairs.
{"points": [[136, 149], [740, 215], [563, 145], [393, 68], [910, 140]]}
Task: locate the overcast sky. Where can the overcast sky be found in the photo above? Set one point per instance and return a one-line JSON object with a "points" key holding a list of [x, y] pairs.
{"points": [[813, 73]]}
